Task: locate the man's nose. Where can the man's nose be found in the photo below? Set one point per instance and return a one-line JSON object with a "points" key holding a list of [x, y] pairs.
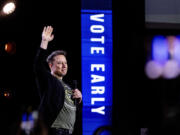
{"points": [[64, 65]]}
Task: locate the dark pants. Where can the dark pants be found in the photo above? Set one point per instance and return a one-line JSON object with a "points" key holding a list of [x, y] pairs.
{"points": [[60, 131]]}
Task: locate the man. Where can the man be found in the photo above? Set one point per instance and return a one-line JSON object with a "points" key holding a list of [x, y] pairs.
{"points": [[57, 107]]}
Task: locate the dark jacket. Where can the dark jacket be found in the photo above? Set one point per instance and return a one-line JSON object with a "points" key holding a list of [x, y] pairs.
{"points": [[50, 90]]}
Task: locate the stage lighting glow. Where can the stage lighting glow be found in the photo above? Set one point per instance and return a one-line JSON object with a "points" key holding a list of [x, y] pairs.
{"points": [[165, 61], [160, 49], [7, 94], [10, 48], [153, 69], [9, 8], [171, 69]]}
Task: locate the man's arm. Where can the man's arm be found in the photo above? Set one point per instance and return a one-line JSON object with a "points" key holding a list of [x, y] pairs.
{"points": [[47, 36], [40, 69], [40, 59]]}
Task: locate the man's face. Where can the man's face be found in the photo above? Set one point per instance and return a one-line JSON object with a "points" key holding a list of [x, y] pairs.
{"points": [[59, 66]]}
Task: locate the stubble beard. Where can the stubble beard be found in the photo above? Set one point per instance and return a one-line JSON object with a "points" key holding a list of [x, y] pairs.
{"points": [[59, 74]]}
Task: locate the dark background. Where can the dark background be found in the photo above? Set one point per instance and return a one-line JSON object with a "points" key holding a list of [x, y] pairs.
{"points": [[138, 102], [24, 27]]}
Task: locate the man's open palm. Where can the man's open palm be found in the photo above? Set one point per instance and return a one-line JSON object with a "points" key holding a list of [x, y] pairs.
{"points": [[47, 34]]}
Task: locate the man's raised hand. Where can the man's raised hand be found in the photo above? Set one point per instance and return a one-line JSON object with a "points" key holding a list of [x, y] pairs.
{"points": [[47, 34]]}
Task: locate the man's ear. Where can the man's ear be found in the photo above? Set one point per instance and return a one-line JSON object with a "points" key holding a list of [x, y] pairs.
{"points": [[50, 65]]}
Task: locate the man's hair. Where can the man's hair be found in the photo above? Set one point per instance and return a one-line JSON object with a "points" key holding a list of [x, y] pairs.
{"points": [[50, 58]]}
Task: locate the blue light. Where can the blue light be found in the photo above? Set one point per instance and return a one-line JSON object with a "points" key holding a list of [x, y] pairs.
{"points": [[160, 49], [177, 49], [24, 117], [96, 54], [30, 117]]}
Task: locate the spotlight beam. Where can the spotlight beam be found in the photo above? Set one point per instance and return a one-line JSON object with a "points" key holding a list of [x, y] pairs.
{"points": [[9, 8]]}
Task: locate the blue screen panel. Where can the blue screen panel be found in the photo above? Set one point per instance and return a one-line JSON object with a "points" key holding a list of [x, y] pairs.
{"points": [[96, 54]]}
